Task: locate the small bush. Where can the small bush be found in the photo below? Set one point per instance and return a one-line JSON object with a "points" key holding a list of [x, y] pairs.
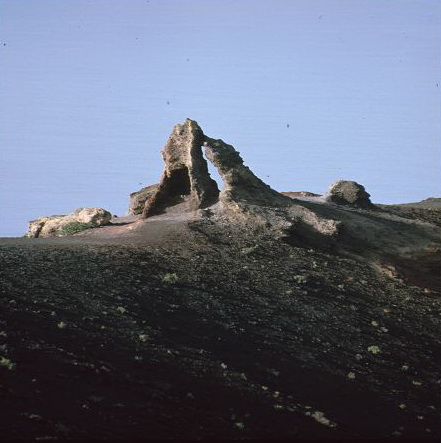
{"points": [[143, 337], [7, 364], [170, 279], [374, 349], [75, 227], [300, 278]]}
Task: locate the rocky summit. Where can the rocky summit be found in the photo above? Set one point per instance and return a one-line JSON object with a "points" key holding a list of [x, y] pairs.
{"points": [[229, 312]]}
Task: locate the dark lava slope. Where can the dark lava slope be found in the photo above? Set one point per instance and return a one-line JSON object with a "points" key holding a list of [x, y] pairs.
{"points": [[215, 332]]}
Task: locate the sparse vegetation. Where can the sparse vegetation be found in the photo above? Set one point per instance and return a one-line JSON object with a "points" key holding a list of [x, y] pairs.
{"points": [[143, 338], [320, 417], [300, 279], [374, 349], [351, 375], [7, 364], [170, 278], [75, 228]]}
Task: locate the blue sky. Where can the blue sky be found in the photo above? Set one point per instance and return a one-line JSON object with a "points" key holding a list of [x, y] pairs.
{"points": [[90, 90]]}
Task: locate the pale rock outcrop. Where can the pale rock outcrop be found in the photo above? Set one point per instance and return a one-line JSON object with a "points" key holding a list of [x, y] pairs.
{"points": [[53, 226], [349, 193]]}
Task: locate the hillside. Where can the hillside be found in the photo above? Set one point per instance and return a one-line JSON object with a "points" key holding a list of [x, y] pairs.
{"points": [[255, 315]]}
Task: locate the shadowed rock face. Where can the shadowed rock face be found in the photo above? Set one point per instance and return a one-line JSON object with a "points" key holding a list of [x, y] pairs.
{"points": [[185, 176], [138, 199]]}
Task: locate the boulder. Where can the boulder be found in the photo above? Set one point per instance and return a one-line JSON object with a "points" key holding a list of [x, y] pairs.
{"points": [[138, 199], [96, 216], [61, 225], [349, 193]]}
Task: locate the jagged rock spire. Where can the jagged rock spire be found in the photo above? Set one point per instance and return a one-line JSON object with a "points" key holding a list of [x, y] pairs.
{"points": [[185, 175]]}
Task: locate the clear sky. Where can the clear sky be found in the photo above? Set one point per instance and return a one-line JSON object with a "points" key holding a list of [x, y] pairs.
{"points": [[90, 90]]}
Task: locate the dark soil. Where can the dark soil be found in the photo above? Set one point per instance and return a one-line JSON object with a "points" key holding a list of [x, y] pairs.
{"points": [[213, 332]]}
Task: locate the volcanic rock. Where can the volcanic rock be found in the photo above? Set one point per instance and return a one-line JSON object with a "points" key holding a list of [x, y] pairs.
{"points": [[349, 193], [241, 185], [185, 176], [138, 199], [245, 199], [296, 194], [53, 226], [249, 201]]}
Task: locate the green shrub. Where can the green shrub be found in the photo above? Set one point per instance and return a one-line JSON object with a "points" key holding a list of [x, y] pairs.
{"points": [[300, 278], [374, 349], [7, 364], [75, 227], [170, 278]]}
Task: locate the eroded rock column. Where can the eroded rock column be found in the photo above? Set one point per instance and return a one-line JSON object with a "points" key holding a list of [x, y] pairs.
{"points": [[185, 175]]}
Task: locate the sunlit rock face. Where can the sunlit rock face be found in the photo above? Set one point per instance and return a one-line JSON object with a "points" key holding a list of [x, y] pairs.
{"points": [[349, 193], [58, 225]]}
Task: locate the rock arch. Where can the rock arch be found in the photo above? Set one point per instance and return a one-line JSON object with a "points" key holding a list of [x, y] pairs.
{"points": [[186, 176]]}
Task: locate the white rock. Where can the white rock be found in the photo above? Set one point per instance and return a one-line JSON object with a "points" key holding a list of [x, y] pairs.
{"points": [[53, 226]]}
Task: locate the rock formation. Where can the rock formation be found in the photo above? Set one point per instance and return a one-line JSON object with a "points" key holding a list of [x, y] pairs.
{"points": [[348, 193], [58, 225], [185, 176], [138, 199], [241, 185], [245, 199]]}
